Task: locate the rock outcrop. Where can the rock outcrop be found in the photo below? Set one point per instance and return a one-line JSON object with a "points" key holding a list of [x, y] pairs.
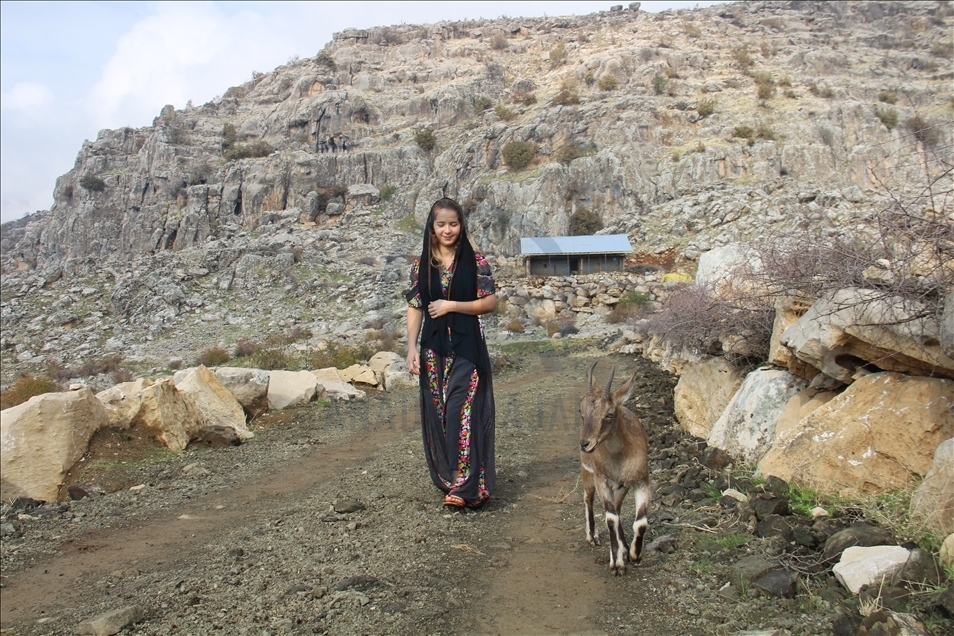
{"points": [[876, 436]]}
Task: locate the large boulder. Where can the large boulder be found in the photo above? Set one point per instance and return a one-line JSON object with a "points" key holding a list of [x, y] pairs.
{"points": [[851, 328], [876, 436], [123, 401], [249, 386], [787, 313], [215, 404], [722, 268], [746, 429], [290, 388], [42, 438], [169, 414], [702, 393], [933, 501]]}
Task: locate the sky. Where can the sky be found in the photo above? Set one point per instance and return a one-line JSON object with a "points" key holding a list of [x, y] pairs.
{"points": [[70, 69]]}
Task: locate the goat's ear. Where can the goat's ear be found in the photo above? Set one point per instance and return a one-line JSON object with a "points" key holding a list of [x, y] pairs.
{"points": [[626, 391]]}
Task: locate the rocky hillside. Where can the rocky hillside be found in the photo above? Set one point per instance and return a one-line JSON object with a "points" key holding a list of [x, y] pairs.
{"points": [[294, 198]]}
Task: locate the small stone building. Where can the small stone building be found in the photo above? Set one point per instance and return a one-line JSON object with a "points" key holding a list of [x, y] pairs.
{"points": [[569, 255]]}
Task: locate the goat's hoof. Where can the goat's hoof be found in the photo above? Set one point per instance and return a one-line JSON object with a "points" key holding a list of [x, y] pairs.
{"points": [[619, 570], [594, 540]]}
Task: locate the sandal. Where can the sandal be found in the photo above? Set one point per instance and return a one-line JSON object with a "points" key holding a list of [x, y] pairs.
{"points": [[453, 501]]}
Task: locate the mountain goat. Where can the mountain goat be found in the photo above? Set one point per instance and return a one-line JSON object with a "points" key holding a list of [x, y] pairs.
{"points": [[613, 454]]}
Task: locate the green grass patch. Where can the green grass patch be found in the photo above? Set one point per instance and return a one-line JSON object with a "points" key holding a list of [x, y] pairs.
{"points": [[409, 225]]}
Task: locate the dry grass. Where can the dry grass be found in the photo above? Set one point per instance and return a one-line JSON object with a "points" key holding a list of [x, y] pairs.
{"points": [[25, 387]]}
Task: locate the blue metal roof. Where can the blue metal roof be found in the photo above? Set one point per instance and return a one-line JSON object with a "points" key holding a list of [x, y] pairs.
{"points": [[549, 245]]}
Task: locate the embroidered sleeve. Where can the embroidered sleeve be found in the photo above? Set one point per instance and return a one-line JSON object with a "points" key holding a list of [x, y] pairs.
{"points": [[485, 282], [413, 295]]}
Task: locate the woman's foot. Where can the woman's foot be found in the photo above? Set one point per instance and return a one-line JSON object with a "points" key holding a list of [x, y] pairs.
{"points": [[453, 501]]}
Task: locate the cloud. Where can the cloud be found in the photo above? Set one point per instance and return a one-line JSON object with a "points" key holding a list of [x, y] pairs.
{"points": [[26, 95]]}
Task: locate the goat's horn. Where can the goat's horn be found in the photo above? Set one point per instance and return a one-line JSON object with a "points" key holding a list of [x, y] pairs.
{"points": [[609, 383], [589, 375]]}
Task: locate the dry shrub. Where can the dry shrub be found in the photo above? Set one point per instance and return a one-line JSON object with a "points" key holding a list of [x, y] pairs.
{"points": [[697, 320], [245, 347], [213, 357], [341, 355], [109, 364], [515, 326], [631, 305], [25, 387], [271, 359], [123, 375], [902, 257]]}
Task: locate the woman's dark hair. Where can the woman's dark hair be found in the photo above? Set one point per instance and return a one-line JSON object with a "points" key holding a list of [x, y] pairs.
{"points": [[433, 250]]}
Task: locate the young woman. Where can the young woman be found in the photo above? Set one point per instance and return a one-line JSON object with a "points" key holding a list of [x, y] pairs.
{"points": [[450, 287]]}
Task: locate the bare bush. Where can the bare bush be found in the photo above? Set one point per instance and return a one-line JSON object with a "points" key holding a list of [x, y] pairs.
{"points": [[213, 357], [696, 319]]}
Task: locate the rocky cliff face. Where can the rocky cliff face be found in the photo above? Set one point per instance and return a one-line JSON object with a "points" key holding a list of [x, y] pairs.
{"points": [[793, 89], [685, 130]]}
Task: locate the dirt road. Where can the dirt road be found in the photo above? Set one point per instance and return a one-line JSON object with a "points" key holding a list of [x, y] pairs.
{"points": [[259, 539]]}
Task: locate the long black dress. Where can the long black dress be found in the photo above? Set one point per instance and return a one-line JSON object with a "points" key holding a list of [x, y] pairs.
{"points": [[457, 408]]}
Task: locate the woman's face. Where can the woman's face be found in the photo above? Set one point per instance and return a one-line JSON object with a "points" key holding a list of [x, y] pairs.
{"points": [[446, 227]]}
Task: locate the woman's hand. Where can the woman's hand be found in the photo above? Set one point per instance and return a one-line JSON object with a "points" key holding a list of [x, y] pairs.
{"points": [[414, 362], [438, 308]]}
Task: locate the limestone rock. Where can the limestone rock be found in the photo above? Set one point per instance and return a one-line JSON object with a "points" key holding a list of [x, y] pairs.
{"points": [[122, 402], [800, 406], [215, 404], [328, 373], [933, 501], [850, 327], [400, 380], [723, 266], [42, 438], [947, 325], [338, 390], [290, 388], [170, 415], [875, 437], [746, 429], [111, 622], [946, 554], [359, 373], [384, 361], [860, 566], [787, 313], [249, 386], [702, 393]]}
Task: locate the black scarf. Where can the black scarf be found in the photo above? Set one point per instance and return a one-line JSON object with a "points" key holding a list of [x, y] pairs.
{"points": [[464, 338]]}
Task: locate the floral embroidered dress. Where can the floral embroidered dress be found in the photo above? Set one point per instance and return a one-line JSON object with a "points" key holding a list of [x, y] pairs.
{"points": [[457, 408]]}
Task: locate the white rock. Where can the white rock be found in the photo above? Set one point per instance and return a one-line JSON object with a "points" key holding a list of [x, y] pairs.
{"points": [[860, 566], [290, 388], [359, 373], [338, 390], [123, 402], [215, 404], [42, 438], [746, 429]]}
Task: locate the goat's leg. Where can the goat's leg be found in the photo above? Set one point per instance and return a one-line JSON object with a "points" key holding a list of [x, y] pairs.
{"points": [[589, 489], [615, 528], [641, 524]]}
